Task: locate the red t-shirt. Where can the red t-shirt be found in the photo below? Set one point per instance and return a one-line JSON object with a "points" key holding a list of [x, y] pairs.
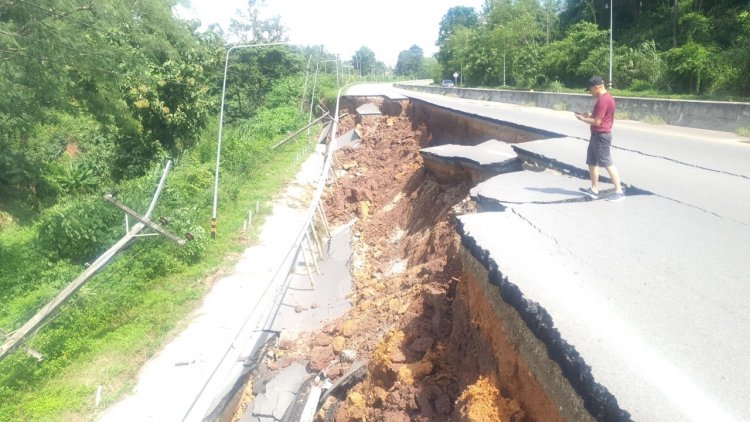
{"points": [[605, 110]]}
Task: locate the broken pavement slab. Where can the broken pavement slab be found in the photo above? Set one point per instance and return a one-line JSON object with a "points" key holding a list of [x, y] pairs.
{"points": [[278, 394], [629, 324], [528, 187], [328, 299], [368, 109], [348, 139], [478, 162]]}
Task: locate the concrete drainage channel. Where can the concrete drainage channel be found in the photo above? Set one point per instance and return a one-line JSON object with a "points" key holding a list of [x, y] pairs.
{"points": [[434, 332]]}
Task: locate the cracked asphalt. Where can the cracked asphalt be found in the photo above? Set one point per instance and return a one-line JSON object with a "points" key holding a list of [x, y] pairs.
{"points": [[644, 299]]}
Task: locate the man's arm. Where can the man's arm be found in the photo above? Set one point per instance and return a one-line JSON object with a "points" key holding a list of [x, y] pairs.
{"points": [[588, 119]]}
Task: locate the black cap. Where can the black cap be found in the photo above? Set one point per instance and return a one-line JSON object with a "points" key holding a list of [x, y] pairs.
{"points": [[594, 81]]}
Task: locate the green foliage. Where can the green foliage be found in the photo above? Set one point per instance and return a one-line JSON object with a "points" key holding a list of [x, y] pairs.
{"points": [[695, 26], [168, 108], [457, 16], [527, 67], [70, 75], [454, 54], [364, 61], [410, 63], [555, 86], [252, 74], [128, 308], [248, 144], [96, 103], [285, 92], [73, 178], [690, 67], [79, 229], [250, 28], [580, 54], [705, 51], [736, 58], [640, 85], [172, 106], [639, 68]]}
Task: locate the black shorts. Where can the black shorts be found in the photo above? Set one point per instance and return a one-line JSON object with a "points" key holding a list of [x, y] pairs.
{"points": [[598, 152]]}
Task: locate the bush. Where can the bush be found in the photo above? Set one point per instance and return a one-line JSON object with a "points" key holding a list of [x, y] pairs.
{"points": [[640, 85], [195, 249], [80, 229], [642, 65], [248, 144], [555, 86], [73, 178]]}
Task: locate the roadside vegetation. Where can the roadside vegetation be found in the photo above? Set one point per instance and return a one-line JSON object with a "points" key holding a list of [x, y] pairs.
{"points": [[96, 98], [687, 49]]}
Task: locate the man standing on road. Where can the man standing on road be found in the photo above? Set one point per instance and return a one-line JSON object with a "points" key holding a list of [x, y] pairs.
{"points": [[598, 155]]}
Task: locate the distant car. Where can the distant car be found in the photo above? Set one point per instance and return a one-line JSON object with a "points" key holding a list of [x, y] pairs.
{"points": [[447, 83]]}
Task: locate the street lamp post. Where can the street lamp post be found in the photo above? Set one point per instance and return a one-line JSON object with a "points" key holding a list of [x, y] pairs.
{"points": [[503, 67], [221, 124], [315, 82], [610, 43]]}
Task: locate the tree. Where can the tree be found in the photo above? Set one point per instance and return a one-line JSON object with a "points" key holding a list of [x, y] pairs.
{"points": [[249, 28], [737, 56], [511, 36], [576, 57], [251, 75], [458, 16], [455, 54], [83, 59], [691, 66], [409, 62], [639, 67], [364, 61]]}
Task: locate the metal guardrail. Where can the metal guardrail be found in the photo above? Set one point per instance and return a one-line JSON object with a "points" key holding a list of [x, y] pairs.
{"points": [[306, 238]]}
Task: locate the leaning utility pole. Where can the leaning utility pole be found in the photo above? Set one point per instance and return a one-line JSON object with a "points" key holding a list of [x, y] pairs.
{"points": [[16, 337]]}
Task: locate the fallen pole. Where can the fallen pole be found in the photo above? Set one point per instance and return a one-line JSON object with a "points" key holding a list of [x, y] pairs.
{"points": [[295, 134], [17, 337]]}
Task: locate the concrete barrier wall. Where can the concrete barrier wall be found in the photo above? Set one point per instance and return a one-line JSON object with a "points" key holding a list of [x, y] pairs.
{"points": [[713, 115]]}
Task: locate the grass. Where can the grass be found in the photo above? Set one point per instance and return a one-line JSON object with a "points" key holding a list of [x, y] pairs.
{"points": [[744, 131], [127, 311]]}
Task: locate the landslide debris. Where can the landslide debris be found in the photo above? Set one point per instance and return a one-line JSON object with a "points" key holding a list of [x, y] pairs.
{"points": [[406, 268]]}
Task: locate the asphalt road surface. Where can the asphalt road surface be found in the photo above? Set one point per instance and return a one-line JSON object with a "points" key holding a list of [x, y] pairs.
{"points": [[651, 292]]}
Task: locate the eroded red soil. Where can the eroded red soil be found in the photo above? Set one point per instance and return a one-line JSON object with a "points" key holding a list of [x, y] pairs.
{"points": [[423, 364]]}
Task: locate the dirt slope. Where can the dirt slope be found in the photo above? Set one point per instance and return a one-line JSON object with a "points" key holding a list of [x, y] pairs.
{"points": [[406, 269]]}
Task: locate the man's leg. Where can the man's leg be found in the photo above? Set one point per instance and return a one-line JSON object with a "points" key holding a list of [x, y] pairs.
{"points": [[615, 176], [594, 176]]}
